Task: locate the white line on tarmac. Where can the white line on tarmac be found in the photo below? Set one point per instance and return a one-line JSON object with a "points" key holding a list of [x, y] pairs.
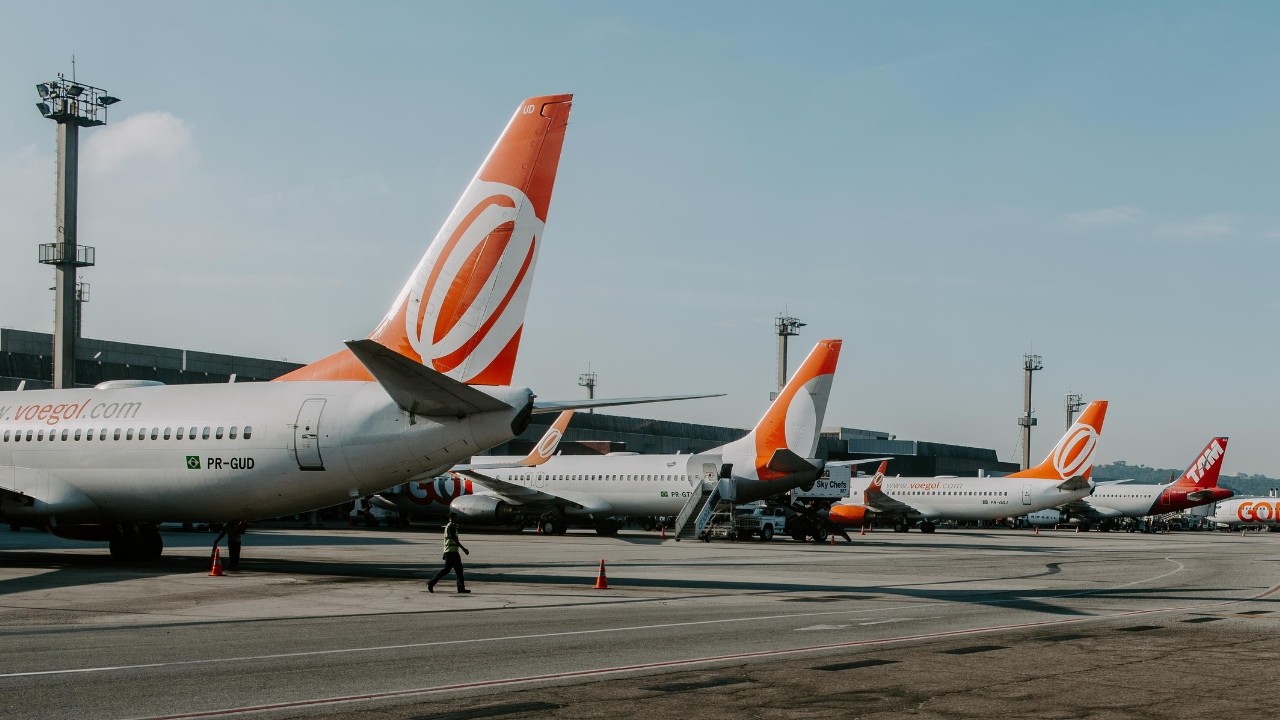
{"points": [[597, 672], [568, 633]]}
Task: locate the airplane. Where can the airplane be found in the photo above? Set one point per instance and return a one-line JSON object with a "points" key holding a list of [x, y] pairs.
{"points": [[1061, 478], [1198, 485], [429, 387], [1247, 512], [775, 456]]}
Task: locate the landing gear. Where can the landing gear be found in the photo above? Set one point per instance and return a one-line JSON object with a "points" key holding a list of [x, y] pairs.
{"points": [[136, 542], [900, 526], [607, 528], [554, 525], [926, 527], [820, 535]]}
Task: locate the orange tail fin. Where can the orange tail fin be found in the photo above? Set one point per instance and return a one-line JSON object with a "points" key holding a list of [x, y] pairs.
{"points": [[462, 310], [1073, 455]]}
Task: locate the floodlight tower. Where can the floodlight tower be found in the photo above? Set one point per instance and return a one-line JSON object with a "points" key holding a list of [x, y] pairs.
{"points": [[588, 381], [1030, 364], [1075, 403], [787, 327], [72, 105]]}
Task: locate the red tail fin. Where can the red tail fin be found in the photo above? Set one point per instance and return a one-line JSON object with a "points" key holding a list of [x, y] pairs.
{"points": [[462, 310], [1205, 469]]}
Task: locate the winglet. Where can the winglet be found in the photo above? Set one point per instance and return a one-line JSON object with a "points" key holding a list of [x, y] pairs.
{"points": [[546, 447]]}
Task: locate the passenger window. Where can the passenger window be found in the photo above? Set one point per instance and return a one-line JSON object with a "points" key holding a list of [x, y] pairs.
{"points": [[103, 437], [248, 432], [168, 433], [65, 435], [155, 433], [28, 436], [6, 435], [40, 436], [78, 435], [142, 433], [180, 433], [217, 435], [232, 435], [205, 435], [128, 434], [191, 435]]}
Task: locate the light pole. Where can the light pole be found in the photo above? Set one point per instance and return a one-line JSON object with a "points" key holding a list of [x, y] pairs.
{"points": [[72, 105], [1030, 364], [1075, 403], [787, 327]]}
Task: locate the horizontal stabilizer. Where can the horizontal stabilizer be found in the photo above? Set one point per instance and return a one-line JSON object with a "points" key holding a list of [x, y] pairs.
{"points": [[1072, 484], [847, 463], [786, 461], [548, 406], [419, 390]]}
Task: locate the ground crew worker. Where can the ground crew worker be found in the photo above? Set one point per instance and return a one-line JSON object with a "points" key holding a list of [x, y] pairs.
{"points": [[452, 560], [233, 543]]}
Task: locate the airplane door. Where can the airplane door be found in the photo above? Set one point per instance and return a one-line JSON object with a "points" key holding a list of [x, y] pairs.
{"points": [[1026, 493], [306, 435]]}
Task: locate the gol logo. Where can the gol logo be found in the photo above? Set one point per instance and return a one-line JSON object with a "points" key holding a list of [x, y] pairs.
{"points": [[1075, 452], [440, 491], [471, 293], [1257, 511], [548, 443]]}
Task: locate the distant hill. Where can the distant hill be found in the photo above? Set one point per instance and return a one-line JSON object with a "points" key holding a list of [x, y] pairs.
{"points": [[1242, 483]]}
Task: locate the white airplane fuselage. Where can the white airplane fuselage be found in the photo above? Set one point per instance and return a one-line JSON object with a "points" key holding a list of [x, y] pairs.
{"points": [[955, 498], [260, 449]]}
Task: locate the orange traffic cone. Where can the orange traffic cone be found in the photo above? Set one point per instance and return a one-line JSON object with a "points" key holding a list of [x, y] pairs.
{"points": [[662, 531], [831, 539], [216, 571], [863, 531], [602, 583]]}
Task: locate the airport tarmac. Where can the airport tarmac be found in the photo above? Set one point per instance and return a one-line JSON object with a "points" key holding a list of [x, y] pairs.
{"points": [[337, 623]]}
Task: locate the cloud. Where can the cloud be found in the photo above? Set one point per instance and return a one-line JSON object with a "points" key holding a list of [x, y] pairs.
{"points": [[1104, 217], [152, 141], [1209, 227]]}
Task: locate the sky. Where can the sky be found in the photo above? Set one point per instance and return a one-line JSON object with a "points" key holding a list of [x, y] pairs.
{"points": [[946, 186]]}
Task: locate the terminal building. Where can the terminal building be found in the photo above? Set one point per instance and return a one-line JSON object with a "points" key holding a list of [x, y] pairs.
{"points": [[26, 360]]}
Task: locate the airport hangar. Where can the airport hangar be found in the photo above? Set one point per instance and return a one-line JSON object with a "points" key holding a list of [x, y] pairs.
{"points": [[27, 356]]}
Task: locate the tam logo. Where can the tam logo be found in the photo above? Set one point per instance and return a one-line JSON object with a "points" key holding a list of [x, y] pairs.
{"points": [[1207, 459]]}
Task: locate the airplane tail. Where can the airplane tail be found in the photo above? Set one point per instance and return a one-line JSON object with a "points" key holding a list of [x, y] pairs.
{"points": [[1072, 457], [787, 435], [1205, 469], [462, 311]]}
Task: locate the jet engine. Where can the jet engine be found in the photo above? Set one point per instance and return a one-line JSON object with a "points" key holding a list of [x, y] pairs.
{"points": [[484, 509]]}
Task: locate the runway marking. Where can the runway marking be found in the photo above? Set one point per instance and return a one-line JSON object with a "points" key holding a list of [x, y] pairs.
{"points": [[886, 621], [598, 672], [538, 636], [821, 627]]}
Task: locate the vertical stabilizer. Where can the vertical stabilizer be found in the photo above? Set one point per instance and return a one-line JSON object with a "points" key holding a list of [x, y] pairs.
{"points": [[462, 310], [1206, 468], [1073, 455]]}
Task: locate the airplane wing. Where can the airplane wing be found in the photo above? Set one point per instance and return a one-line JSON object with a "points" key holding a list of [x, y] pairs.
{"points": [[1078, 482], [1082, 509], [16, 497], [419, 390], [527, 497], [547, 406], [877, 501]]}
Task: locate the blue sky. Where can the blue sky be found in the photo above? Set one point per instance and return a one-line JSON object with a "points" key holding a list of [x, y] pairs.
{"points": [[946, 186]]}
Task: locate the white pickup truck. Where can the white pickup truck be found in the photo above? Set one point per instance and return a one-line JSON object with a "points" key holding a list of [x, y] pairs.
{"points": [[763, 522]]}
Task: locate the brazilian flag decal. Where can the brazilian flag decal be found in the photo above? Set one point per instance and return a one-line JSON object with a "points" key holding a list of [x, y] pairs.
{"points": [[193, 462]]}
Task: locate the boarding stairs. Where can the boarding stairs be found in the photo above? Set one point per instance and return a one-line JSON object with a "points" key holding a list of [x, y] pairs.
{"points": [[696, 514]]}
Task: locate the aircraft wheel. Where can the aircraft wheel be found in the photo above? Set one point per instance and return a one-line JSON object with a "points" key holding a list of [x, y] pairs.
{"points": [[766, 533], [552, 526], [900, 526], [927, 527], [607, 528], [149, 546], [119, 549], [797, 536], [820, 535]]}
